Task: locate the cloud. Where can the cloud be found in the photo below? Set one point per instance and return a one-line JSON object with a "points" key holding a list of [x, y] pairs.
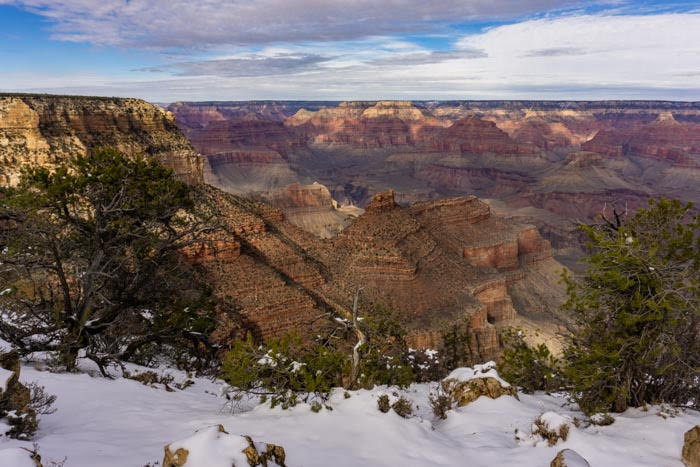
{"points": [[426, 57], [252, 65], [556, 52], [574, 56], [210, 23]]}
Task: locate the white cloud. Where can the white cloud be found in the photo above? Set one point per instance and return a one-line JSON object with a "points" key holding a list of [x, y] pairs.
{"points": [[205, 23], [565, 57]]}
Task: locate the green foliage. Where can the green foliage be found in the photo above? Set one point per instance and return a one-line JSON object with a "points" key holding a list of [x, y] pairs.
{"points": [[403, 407], [637, 311], [383, 403], [440, 402], [284, 370], [93, 254], [385, 356], [530, 368], [455, 348]]}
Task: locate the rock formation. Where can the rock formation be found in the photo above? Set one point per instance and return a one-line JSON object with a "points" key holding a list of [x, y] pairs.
{"points": [[548, 163], [691, 447], [44, 130]]}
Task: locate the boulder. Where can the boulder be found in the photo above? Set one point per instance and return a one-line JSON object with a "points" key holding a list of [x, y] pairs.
{"points": [[691, 447], [214, 446], [569, 458], [14, 399], [465, 385]]}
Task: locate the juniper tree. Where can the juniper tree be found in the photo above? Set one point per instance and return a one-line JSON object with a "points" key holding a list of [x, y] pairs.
{"points": [[637, 311], [91, 259]]}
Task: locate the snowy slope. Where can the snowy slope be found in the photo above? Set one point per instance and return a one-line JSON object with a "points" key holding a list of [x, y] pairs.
{"points": [[121, 422]]}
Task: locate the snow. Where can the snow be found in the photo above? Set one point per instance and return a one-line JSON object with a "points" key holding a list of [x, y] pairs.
{"points": [[123, 423], [554, 421], [16, 457], [487, 370], [573, 459], [210, 447], [5, 376]]}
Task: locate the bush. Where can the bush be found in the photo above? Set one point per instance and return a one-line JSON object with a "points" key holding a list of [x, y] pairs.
{"points": [[284, 370], [403, 407], [637, 312], [530, 368], [383, 403], [440, 402], [551, 434], [385, 356]]}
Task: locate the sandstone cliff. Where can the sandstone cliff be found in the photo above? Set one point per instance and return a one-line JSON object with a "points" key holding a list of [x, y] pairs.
{"points": [[45, 130], [549, 163]]}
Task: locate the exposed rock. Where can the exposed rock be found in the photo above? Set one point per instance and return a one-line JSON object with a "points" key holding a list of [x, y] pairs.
{"points": [[14, 399], [526, 154], [691, 447], [569, 458], [465, 385], [47, 130], [215, 446]]}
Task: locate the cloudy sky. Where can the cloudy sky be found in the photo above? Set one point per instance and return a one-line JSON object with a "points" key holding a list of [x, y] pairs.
{"points": [[167, 50]]}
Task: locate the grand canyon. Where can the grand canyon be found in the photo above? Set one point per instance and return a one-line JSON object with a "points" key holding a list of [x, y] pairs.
{"points": [[482, 198]]}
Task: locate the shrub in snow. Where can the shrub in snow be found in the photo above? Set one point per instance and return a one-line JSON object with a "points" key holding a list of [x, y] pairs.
{"points": [[440, 402], [400, 404], [602, 419], [569, 458], [530, 368], [285, 370], [465, 385], [403, 407], [552, 427], [383, 403], [215, 447]]}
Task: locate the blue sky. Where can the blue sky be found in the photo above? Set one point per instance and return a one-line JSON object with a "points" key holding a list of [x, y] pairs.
{"points": [[167, 50]]}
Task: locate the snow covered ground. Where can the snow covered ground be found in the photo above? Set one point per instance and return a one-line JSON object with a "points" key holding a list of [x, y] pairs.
{"points": [[101, 422]]}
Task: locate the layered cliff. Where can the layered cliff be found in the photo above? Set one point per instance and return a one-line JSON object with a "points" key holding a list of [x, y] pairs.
{"points": [[551, 163], [44, 130]]}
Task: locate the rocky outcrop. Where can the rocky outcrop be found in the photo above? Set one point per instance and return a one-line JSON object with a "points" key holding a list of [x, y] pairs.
{"points": [[14, 399], [472, 135], [312, 208], [569, 458], [465, 385], [45, 130], [215, 446], [691, 447]]}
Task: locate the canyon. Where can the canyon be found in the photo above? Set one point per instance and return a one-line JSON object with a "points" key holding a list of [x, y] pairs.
{"points": [[293, 253], [552, 164], [457, 215]]}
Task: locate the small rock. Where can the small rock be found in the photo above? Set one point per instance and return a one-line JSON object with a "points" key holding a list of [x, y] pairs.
{"points": [[569, 458], [691, 447]]}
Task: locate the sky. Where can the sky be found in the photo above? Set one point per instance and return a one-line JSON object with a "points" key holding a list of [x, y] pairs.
{"points": [[170, 50]]}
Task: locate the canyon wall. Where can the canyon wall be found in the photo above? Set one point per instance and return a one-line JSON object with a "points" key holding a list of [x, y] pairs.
{"points": [[549, 163], [46, 130]]}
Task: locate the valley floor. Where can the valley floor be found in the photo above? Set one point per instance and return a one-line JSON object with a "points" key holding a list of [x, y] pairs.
{"points": [[101, 422]]}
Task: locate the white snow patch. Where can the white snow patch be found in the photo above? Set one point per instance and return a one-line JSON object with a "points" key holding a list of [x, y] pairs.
{"points": [[210, 447], [5, 376], [15, 457], [487, 370], [121, 422]]}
